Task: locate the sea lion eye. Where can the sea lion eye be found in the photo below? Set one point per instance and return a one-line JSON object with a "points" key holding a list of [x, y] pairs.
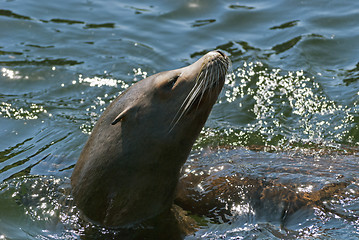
{"points": [[172, 82]]}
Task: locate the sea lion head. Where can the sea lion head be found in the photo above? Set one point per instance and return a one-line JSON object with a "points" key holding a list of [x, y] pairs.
{"points": [[129, 167], [181, 90]]}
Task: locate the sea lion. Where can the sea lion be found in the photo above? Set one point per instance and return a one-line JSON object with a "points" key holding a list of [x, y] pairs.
{"points": [[129, 167]]}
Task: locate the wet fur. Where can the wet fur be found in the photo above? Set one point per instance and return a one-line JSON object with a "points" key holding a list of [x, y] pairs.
{"points": [[129, 168]]}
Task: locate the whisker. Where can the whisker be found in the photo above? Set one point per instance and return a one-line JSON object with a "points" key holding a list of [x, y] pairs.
{"points": [[213, 70], [206, 83], [185, 105]]}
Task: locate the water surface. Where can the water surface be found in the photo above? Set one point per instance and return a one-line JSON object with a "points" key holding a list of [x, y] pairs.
{"points": [[293, 89]]}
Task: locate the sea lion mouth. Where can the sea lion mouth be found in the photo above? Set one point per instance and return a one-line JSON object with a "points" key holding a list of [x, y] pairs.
{"points": [[208, 83]]}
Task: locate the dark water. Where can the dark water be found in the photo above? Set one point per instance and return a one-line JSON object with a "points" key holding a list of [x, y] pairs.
{"points": [[293, 96]]}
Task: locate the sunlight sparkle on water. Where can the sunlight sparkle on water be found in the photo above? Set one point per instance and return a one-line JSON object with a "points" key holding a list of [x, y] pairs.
{"points": [[242, 209], [305, 188], [139, 72], [26, 112], [286, 102], [11, 74], [99, 82]]}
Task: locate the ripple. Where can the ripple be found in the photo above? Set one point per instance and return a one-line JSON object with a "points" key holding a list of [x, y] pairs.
{"points": [[294, 86], [286, 45], [10, 53], [200, 23], [67, 21], [8, 13], [286, 25], [244, 193], [45, 62], [237, 6], [352, 75], [44, 200], [100, 25]]}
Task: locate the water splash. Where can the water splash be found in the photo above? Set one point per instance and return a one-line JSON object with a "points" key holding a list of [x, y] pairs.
{"points": [[282, 108]]}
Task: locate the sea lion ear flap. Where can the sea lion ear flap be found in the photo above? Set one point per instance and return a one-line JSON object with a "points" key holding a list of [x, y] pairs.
{"points": [[120, 116]]}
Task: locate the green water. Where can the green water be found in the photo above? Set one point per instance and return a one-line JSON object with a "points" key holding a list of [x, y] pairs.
{"points": [[293, 87]]}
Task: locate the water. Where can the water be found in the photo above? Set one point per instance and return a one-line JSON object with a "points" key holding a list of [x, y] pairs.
{"points": [[287, 116]]}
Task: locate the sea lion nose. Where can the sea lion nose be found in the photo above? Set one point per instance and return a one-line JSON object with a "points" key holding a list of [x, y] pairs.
{"points": [[223, 55]]}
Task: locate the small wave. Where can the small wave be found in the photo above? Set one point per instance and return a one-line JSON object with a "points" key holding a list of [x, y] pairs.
{"points": [[8, 13]]}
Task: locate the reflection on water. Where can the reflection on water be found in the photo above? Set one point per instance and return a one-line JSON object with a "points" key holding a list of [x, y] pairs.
{"points": [[292, 96], [230, 192], [247, 194]]}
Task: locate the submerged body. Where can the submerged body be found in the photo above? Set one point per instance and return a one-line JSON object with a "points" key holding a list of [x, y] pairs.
{"points": [[130, 165]]}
